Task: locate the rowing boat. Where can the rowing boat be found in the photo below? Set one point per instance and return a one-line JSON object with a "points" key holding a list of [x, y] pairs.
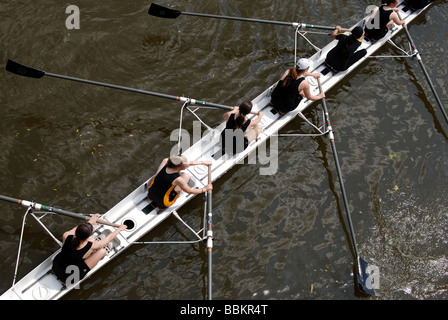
{"points": [[137, 211]]}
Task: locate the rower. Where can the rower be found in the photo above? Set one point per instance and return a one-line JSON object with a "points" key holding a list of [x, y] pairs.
{"points": [[240, 131], [168, 182], [80, 252], [382, 19], [344, 55], [293, 87]]}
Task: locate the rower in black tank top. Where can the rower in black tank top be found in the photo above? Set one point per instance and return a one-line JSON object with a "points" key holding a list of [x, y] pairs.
{"points": [[374, 33], [70, 257], [161, 189], [286, 98], [230, 125]]}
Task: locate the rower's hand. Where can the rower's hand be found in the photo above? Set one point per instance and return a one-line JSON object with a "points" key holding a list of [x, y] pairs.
{"points": [[122, 227], [207, 163], [208, 187], [260, 114], [316, 75], [94, 219]]}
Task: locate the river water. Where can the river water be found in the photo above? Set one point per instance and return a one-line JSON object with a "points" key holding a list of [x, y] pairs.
{"points": [[284, 237]]}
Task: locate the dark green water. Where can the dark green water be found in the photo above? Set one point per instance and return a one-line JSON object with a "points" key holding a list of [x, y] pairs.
{"points": [[84, 148]]}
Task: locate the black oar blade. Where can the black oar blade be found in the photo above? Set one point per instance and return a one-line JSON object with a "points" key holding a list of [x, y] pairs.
{"points": [[24, 71], [367, 279], [163, 12]]}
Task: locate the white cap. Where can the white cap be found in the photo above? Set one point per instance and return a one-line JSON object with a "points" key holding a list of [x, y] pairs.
{"points": [[303, 63], [178, 160]]}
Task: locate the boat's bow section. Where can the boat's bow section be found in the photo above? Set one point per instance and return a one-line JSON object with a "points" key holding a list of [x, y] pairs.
{"points": [[135, 211], [330, 79]]}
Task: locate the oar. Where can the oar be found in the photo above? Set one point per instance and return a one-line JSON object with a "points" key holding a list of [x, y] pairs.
{"points": [[25, 71], [420, 61], [40, 207], [209, 234], [364, 280], [163, 12]]}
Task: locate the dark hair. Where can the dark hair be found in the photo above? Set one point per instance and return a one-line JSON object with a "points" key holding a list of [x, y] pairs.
{"points": [[83, 231], [387, 2], [244, 108]]}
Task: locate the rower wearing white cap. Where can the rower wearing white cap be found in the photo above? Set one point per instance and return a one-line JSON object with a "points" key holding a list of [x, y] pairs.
{"points": [[293, 86]]}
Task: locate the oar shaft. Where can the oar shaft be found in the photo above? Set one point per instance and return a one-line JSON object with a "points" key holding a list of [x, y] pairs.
{"points": [[312, 26], [156, 94], [41, 207], [339, 172], [22, 70], [164, 12], [209, 234], [361, 265], [203, 15], [113, 86], [279, 23], [439, 102], [422, 66]]}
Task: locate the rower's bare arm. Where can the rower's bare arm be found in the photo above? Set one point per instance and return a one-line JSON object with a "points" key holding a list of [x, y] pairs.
{"points": [[185, 187], [284, 75], [335, 32], [397, 20], [68, 233], [257, 120], [162, 164], [103, 242], [202, 162], [226, 115], [309, 95], [72, 231]]}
